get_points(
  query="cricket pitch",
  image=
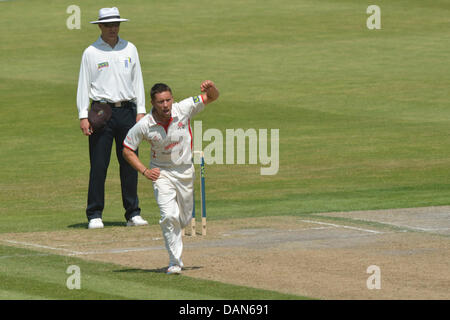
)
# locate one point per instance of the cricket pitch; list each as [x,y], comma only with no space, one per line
[323,256]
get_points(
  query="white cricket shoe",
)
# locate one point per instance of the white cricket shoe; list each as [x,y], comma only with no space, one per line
[136,221]
[174,270]
[95,223]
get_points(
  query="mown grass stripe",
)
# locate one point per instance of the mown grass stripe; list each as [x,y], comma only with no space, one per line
[46,276]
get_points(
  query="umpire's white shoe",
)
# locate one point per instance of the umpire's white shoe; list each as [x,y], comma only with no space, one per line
[95,223]
[136,221]
[174,270]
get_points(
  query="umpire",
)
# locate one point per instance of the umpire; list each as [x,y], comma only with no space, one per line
[110,81]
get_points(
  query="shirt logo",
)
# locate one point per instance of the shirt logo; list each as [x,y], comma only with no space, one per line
[170,146]
[102,65]
[196,99]
[181,125]
[127,61]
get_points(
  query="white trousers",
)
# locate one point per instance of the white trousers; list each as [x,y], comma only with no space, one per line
[174,194]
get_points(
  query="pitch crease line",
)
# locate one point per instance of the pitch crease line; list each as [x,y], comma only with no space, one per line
[42,246]
[342,226]
[421,229]
[123,250]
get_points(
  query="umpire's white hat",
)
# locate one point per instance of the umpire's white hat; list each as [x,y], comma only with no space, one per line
[106,15]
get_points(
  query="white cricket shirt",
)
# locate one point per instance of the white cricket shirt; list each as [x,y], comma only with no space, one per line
[111,74]
[171,146]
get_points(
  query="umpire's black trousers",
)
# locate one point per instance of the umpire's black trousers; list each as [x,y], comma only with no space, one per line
[100,145]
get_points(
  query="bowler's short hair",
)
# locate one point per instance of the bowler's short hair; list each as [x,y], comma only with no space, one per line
[158,88]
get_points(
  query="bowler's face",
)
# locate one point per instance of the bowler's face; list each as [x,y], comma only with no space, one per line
[163,104]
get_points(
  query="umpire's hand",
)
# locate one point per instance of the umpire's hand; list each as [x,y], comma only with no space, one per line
[85,127]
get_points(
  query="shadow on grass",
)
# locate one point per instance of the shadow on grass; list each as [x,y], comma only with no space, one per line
[105,223]
[158,270]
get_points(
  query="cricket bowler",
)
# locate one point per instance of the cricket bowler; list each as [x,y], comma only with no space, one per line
[168,130]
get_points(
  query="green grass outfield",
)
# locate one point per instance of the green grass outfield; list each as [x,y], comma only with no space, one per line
[363,117]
